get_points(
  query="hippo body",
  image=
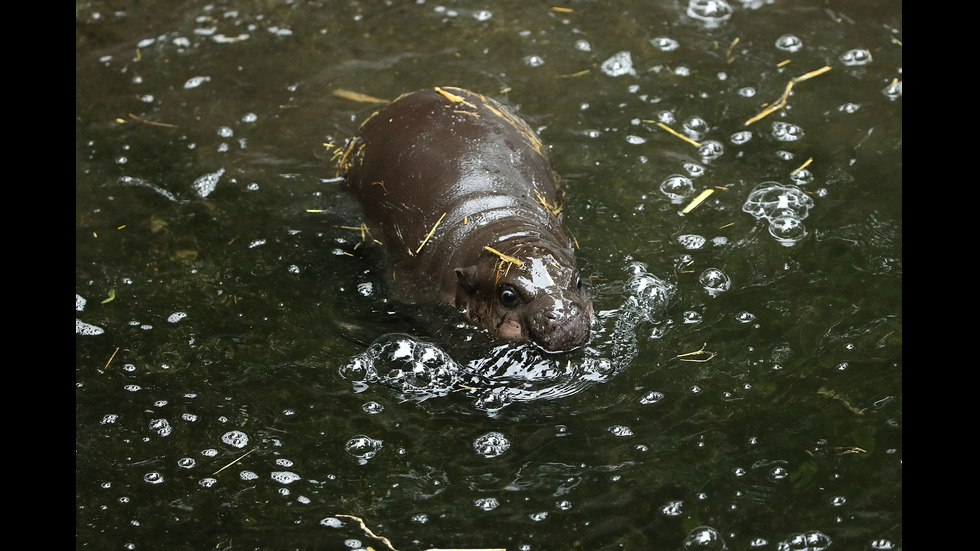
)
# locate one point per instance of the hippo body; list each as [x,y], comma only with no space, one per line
[468,204]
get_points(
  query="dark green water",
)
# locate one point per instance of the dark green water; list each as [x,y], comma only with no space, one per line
[235,309]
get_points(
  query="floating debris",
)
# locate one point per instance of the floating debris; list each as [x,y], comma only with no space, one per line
[789,87]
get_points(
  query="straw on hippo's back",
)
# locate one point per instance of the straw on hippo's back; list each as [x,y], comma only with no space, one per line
[468,204]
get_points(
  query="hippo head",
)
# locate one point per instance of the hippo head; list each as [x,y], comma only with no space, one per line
[535,298]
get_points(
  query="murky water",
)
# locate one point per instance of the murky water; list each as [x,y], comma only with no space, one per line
[242,381]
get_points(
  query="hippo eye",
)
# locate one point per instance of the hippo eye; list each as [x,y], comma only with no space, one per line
[578,283]
[508,297]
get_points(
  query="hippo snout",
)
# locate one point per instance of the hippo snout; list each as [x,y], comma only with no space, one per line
[562,328]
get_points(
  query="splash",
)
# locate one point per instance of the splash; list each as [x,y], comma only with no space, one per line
[417,371]
[420,370]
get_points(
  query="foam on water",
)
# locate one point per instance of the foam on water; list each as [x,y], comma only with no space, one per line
[783,206]
[491,444]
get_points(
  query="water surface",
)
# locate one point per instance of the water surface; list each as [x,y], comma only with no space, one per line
[743,388]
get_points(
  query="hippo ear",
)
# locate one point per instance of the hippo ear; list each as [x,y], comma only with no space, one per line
[467,278]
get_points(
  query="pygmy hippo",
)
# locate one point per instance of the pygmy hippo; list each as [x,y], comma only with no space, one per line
[468,206]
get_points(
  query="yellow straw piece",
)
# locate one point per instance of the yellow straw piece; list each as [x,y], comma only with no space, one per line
[504,257]
[697,200]
[357,96]
[789,87]
[801,167]
[679,135]
[453,97]
[432,231]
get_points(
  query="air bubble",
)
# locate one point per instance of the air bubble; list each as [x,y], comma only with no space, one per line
[153,477]
[695,127]
[285,477]
[363,448]
[82,328]
[533,61]
[740,138]
[235,438]
[787,229]
[620,430]
[418,369]
[778,473]
[331,522]
[161,427]
[176,316]
[420,518]
[665,44]
[809,541]
[710,12]
[783,206]
[704,538]
[665,117]
[647,295]
[651,397]
[714,281]
[677,188]
[745,317]
[486,503]
[194,82]
[801,177]
[789,43]
[672,508]
[691,242]
[786,132]
[710,149]
[491,444]
[894,90]
[856,57]
[619,64]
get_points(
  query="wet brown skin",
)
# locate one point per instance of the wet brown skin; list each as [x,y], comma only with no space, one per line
[468,205]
